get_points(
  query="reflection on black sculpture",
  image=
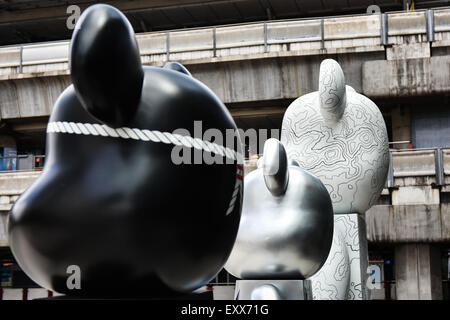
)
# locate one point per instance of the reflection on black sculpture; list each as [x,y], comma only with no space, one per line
[110,200]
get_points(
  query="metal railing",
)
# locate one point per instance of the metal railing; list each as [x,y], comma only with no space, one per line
[263,34]
[432,163]
[436,169]
[24,293]
[435,160]
[25,162]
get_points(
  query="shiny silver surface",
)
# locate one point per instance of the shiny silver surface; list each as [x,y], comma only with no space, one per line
[273,290]
[275,163]
[282,237]
[259,163]
[266,292]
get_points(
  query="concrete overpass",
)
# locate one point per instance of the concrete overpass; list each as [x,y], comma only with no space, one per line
[259,68]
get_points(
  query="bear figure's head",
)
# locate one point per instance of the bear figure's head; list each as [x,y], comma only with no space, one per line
[286,228]
[340,136]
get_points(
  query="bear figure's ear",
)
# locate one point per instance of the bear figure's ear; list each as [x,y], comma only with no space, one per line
[275,167]
[105,65]
[176,66]
[332,90]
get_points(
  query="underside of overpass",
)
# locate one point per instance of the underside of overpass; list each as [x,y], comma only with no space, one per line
[23,21]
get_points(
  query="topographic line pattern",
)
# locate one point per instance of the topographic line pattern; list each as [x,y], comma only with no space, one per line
[343,274]
[350,156]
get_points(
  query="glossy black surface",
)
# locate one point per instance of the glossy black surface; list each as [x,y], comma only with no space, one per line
[105,65]
[133,221]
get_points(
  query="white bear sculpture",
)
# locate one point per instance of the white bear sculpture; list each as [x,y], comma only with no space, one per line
[340,136]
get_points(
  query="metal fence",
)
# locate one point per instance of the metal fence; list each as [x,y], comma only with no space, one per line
[25,162]
[212,39]
[412,162]
[433,164]
[436,158]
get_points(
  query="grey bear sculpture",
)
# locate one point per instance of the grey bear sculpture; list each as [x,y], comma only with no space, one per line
[286,226]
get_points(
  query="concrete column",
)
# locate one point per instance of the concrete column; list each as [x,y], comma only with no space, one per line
[418,272]
[401,126]
[3,229]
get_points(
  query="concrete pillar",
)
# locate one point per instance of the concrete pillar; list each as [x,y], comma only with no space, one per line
[3,229]
[418,272]
[401,126]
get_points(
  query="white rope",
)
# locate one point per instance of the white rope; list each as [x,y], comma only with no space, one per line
[237,189]
[96,129]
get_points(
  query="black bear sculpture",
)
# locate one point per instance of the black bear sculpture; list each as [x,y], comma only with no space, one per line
[110,202]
